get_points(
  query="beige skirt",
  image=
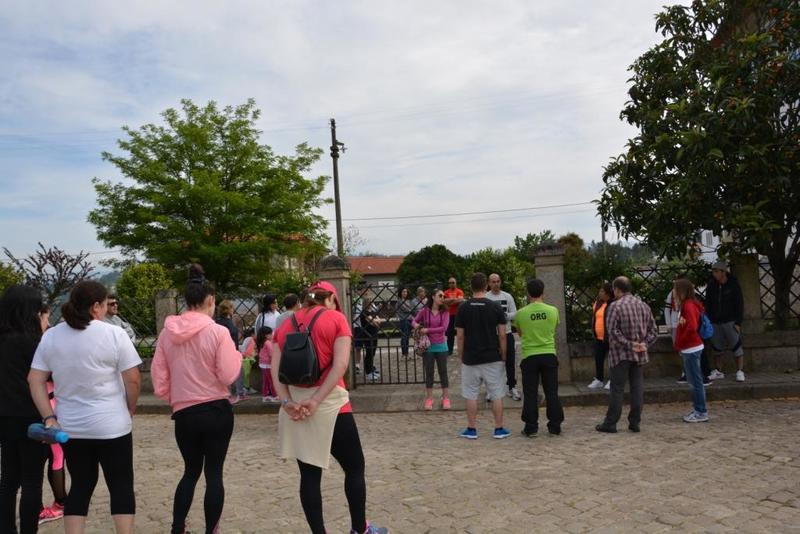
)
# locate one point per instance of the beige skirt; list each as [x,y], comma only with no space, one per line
[309,440]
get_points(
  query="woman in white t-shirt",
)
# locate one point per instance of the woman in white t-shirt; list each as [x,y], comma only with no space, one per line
[95,371]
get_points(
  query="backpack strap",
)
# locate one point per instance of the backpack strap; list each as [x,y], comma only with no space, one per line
[311,324]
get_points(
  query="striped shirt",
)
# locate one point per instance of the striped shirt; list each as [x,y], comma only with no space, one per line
[628,321]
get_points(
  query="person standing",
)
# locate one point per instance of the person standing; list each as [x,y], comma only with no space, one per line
[506,302]
[113,317]
[671,316]
[481,344]
[725,309]
[269,313]
[370,328]
[536,324]
[453,297]
[433,321]
[291,303]
[690,346]
[404,311]
[631,329]
[605,296]
[194,363]
[23,318]
[93,364]
[317,421]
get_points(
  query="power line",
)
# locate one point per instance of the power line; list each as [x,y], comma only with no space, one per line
[463,221]
[467,212]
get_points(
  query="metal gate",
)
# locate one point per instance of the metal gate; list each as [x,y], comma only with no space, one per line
[382,333]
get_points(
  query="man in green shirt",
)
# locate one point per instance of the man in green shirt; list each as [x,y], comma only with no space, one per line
[536,324]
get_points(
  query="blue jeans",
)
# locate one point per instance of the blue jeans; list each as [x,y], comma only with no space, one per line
[405,333]
[694,377]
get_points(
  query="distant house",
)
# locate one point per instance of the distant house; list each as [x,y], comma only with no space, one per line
[377,270]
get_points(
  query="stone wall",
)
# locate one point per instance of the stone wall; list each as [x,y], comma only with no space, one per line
[769,351]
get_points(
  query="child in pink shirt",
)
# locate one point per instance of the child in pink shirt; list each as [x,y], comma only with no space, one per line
[264,346]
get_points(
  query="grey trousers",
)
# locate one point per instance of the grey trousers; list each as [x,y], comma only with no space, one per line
[624,371]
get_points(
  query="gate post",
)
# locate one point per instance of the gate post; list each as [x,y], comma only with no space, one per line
[549,262]
[335,270]
[166,304]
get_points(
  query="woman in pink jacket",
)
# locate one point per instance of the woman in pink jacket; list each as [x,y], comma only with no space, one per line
[194,364]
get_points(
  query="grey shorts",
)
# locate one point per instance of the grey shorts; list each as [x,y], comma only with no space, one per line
[492,374]
[726,338]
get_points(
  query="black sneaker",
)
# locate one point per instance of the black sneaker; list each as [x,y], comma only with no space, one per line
[633,428]
[554,430]
[529,431]
[608,429]
[682,379]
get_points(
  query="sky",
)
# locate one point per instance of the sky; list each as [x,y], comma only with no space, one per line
[444,107]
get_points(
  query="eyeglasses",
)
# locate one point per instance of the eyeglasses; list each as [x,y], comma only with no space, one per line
[113,303]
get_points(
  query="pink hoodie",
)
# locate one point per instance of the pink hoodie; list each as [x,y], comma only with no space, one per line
[195,361]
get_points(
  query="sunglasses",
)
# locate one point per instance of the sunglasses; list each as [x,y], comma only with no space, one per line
[113,303]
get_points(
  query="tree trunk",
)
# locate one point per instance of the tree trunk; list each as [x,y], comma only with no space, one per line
[782,272]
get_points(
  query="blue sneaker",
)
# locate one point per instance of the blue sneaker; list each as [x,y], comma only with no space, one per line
[469,433]
[372,530]
[501,433]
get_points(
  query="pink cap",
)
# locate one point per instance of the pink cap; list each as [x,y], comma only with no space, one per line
[326,286]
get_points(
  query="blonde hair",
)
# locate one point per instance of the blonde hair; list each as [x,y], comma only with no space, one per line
[225,308]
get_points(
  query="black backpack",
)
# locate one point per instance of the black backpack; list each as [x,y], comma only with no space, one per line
[299,363]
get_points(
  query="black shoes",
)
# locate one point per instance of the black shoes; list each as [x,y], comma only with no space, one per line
[555,430]
[633,428]
[607,429]
[529,431]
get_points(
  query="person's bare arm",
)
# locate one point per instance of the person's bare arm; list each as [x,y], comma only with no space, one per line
[501,336]
[37,382]
[132,380]
[460,343]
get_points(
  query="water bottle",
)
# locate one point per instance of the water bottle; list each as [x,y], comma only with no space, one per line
[39,432]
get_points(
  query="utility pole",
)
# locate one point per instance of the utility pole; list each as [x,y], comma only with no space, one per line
[335,145]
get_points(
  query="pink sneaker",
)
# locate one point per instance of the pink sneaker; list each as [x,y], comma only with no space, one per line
[428,404]
[51,513]
[445,403]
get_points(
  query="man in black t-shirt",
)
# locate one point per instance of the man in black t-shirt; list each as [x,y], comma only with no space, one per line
[481,342]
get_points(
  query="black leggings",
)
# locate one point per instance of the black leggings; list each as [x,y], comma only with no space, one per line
[440,359]
[21,466]
[600,354]
[203,433]
[115,456]
[346,448]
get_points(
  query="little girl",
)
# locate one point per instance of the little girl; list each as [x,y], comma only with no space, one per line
[264,347]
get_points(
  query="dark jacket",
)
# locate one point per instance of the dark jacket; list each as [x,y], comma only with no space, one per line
[16,354]
[724,302]
[227,322]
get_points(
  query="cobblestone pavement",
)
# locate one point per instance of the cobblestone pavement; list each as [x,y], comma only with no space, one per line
[740,472]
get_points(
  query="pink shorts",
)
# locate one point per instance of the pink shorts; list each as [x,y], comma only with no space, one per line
[57,461]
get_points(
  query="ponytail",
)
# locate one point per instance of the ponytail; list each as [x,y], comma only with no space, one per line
[197,287]
[77,310]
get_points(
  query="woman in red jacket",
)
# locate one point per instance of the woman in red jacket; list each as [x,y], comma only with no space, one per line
[690,346]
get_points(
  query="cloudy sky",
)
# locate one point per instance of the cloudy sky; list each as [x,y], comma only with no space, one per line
[445,107]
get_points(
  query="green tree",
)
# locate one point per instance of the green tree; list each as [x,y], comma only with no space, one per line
[505,263]
[201,187]
[525,247]
[9,276]
[136,289]
[717,107]
[434,263]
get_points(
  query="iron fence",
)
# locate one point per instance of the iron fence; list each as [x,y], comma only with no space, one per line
[386,345]
[651,283]
[767,284]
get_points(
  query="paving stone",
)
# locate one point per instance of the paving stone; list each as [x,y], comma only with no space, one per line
[422,478]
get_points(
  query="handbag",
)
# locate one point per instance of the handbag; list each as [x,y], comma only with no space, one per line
[421,342]
[299,362]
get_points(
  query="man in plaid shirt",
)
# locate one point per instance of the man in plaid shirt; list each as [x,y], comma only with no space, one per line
[630,328]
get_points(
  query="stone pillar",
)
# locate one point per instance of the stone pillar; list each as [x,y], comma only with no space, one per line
[335,270]
[166,304]
[745,269]
[549,261]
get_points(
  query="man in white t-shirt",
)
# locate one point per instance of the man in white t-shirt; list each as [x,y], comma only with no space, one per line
[506,301]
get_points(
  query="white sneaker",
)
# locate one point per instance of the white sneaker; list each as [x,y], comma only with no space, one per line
[595,384]
[695,417]
[608,385]
[373,376]
[716,375]
[740,376]
[515,394]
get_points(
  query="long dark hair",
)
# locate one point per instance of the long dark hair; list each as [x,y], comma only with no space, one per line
[20,307]
[77,310]
[197,287]
[261,337]
[430,301]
